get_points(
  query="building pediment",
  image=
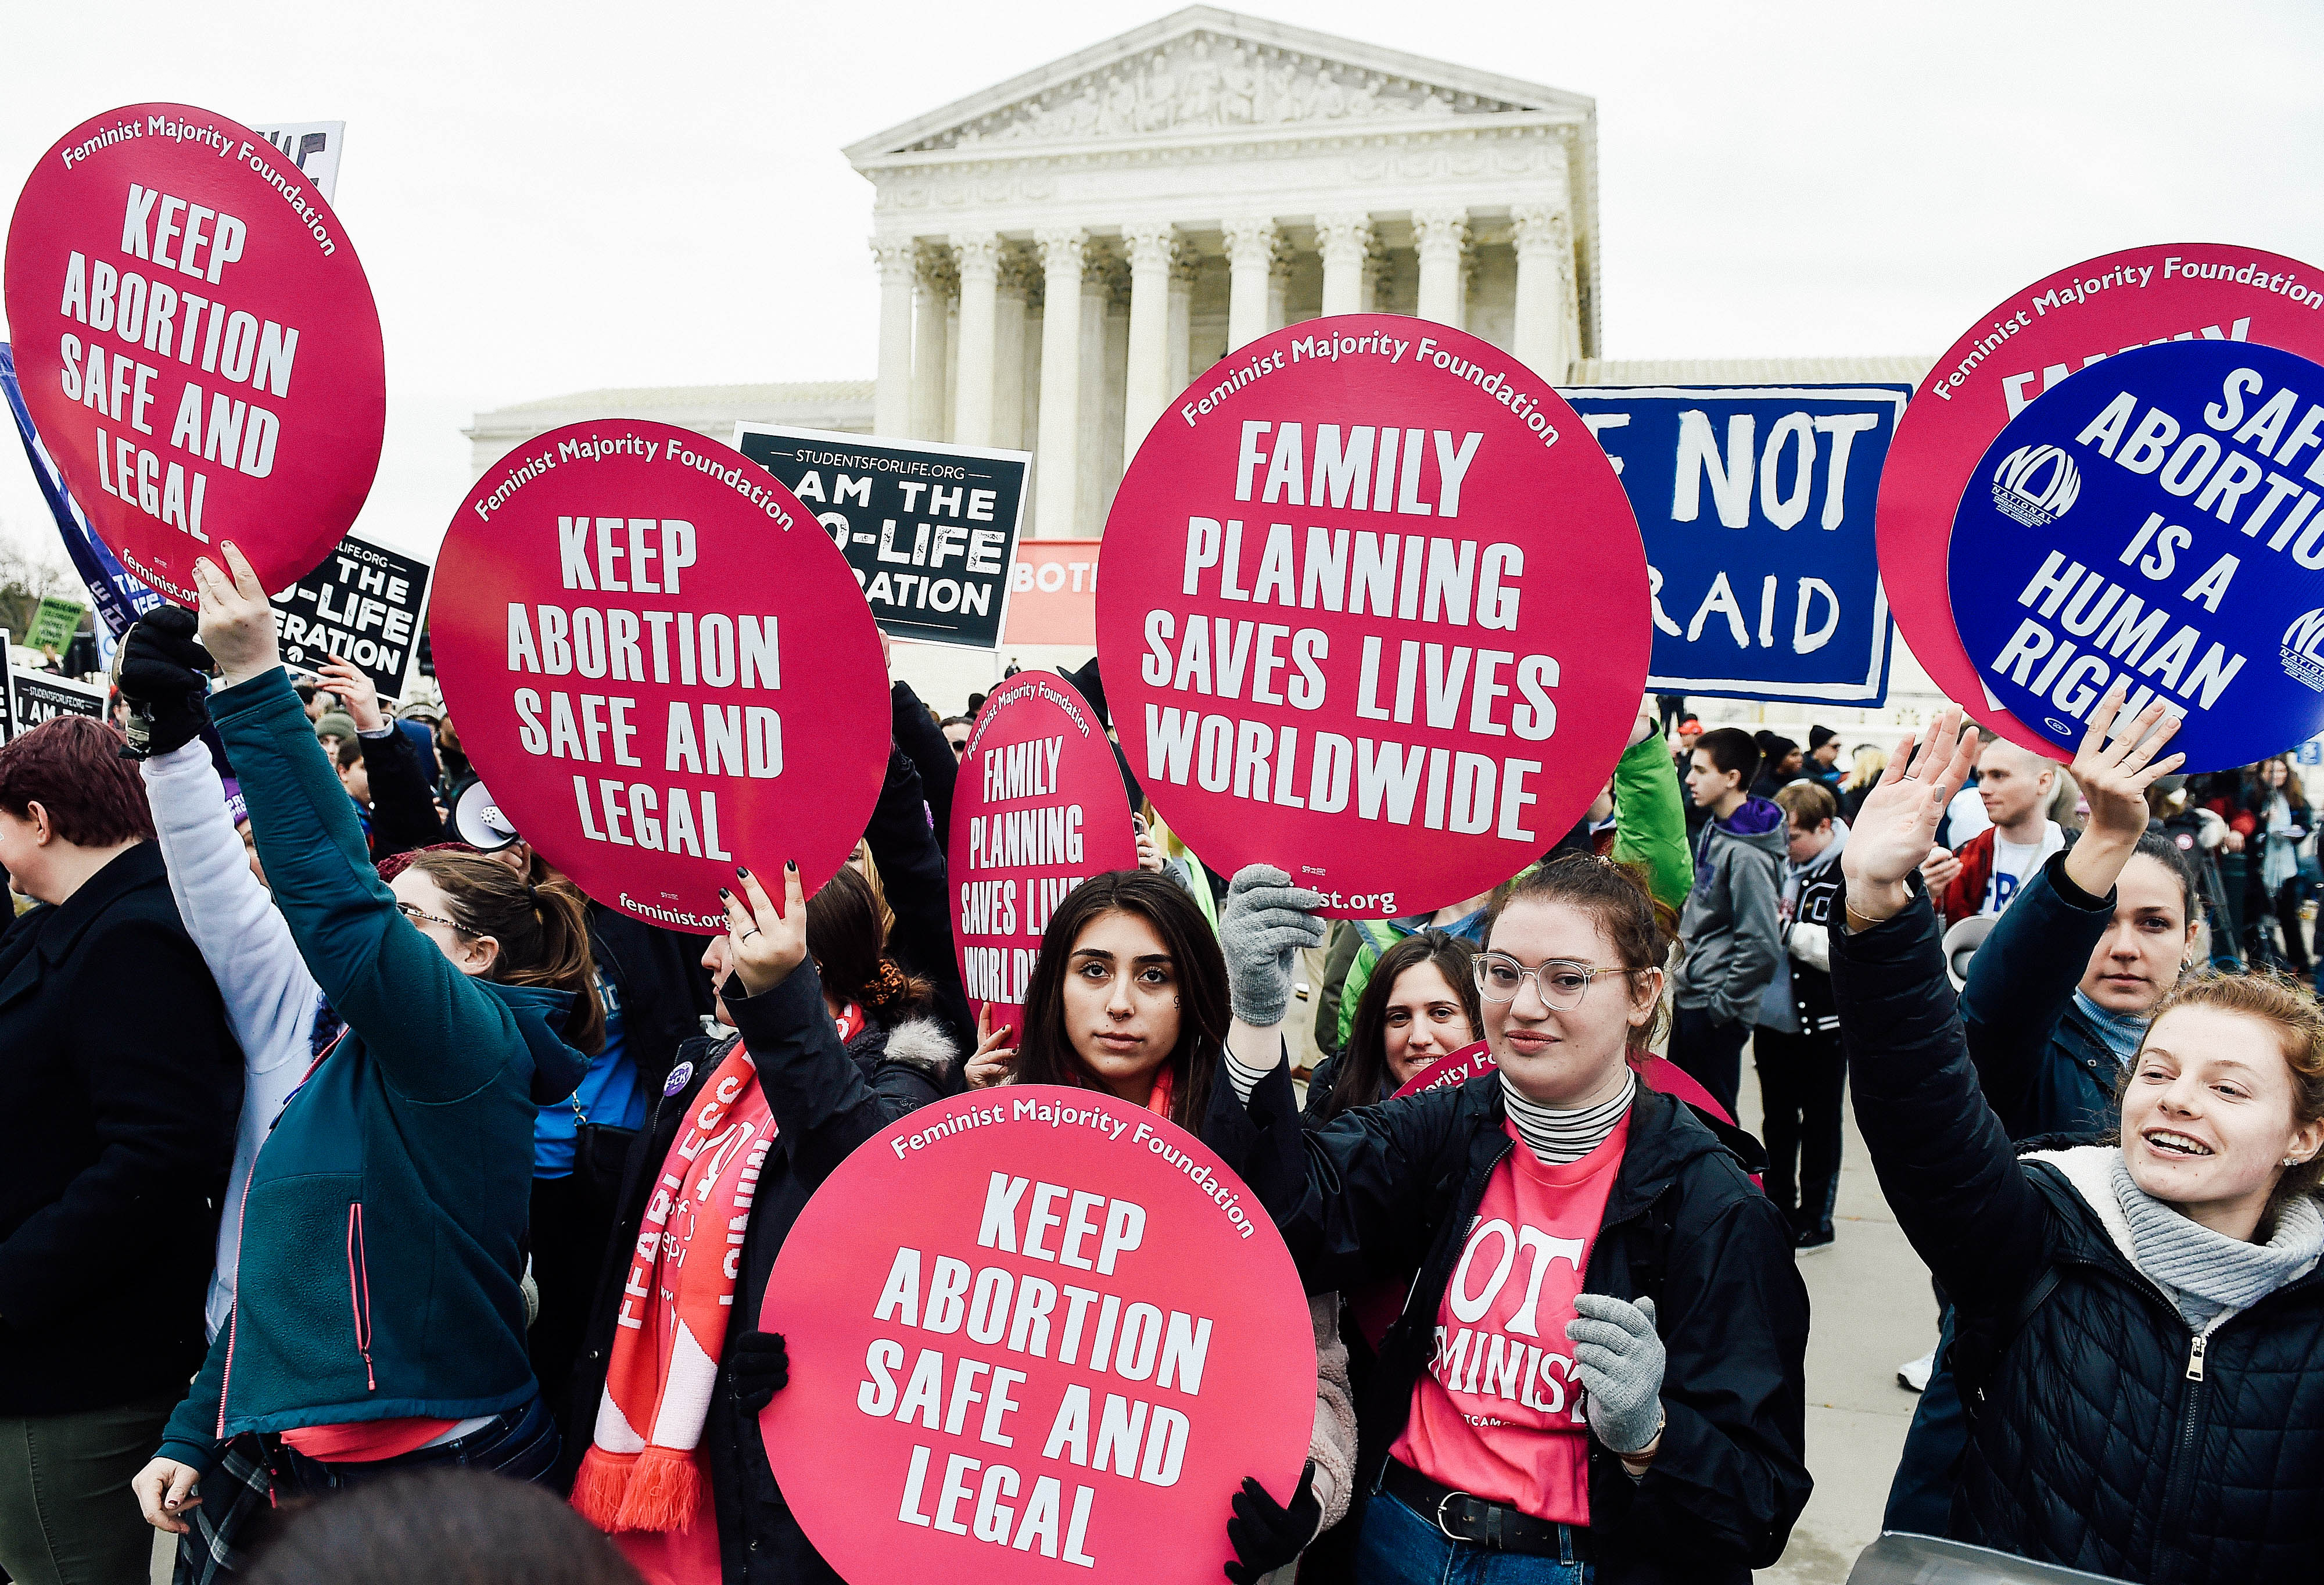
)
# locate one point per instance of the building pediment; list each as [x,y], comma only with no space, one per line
[1206,71]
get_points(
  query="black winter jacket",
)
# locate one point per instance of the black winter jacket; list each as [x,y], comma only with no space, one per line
[827,1100]
[2105,1440]
[402,804]
[664,988]
[912,873]
[119,1087]
[2043,1066]
[914,731]
[1385,1190]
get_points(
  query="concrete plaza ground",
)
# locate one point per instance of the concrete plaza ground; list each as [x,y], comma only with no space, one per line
[1870,1310]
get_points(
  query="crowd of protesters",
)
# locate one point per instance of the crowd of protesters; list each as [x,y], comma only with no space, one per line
[338,1268]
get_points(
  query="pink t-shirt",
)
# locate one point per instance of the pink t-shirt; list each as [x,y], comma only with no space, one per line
[1499,1413]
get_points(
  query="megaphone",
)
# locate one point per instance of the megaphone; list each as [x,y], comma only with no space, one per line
[1961,942]
[478,821]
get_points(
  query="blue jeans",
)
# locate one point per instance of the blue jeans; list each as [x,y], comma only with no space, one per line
[1399,1547]
[521,1445]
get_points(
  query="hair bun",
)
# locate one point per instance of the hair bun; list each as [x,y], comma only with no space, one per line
[887,986]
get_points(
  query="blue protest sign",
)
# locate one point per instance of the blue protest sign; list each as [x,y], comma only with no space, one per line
[120,598]
[1755,504]
[2154,520]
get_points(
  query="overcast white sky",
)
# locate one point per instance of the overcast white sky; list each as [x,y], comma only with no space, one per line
[553,198]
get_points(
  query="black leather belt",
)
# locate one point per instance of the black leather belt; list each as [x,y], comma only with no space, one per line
[1481,1523]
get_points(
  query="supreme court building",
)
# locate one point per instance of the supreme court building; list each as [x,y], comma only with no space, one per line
[1059,254]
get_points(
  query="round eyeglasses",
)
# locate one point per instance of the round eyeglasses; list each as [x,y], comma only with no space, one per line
[1560,983]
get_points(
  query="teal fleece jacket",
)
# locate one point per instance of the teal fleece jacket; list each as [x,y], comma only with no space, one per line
[384,1226]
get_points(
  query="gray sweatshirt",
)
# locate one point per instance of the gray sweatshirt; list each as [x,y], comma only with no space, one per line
[1731,924]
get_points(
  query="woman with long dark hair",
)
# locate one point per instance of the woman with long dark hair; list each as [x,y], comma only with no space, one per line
[1129,996]
[2280,806]
[1419,1007]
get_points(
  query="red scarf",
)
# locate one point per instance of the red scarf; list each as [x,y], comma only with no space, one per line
[641,1470]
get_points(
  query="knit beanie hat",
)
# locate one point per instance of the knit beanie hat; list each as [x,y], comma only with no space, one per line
[336,724]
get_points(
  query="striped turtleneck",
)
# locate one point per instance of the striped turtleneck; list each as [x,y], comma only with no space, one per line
[1558,1136]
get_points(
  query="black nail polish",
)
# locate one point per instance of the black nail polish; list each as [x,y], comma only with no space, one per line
[724,895]
[791,865]
[745,874]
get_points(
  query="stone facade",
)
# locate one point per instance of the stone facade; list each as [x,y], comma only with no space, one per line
[1061,253]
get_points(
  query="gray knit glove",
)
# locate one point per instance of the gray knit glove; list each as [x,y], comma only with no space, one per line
[1265,921]
[1620,1358]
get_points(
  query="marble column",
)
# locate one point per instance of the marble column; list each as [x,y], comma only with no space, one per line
[1279,285]
[1180,333]
[1344,241]
[1250,253]
[1544,247]
[1438,235]
[1057,454]
[1152,246]
[978,257]
[1008,349]
[1091,484]
[1375,276]
[891,402]
[928,345]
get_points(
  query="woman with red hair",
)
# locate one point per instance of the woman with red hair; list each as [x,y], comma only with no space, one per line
[116,1127]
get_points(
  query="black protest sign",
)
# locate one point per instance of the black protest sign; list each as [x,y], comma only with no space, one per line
[363,602]
[36,698]
[927,530]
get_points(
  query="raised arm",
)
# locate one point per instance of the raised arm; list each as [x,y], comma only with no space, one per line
[819,1097]
[270,997]
[915,732]
[402,809]
[1944,1162]
[419,1016]
[2022,979]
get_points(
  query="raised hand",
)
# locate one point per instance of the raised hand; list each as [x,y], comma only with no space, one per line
[764,946]
[357,690]
[2114,773]
[1897,824]
[163,669]
[1263,924]
[237,623]
[995,1057]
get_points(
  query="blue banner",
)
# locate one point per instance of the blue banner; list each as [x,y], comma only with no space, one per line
[1755,505]
[2153,521]
[119,597]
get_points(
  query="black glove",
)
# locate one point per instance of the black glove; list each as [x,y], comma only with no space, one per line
[1266,1535]
[758,1367]
[162,671]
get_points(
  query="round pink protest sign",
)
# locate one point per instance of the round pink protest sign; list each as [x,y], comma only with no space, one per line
[1035,1329]
[1038,809]
[1374,610]
[197,344]
[2029,341]
[663,667]
[1457,1068]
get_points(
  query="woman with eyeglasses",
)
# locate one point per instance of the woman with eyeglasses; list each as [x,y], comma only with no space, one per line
[378,1321]
[1600,1371]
